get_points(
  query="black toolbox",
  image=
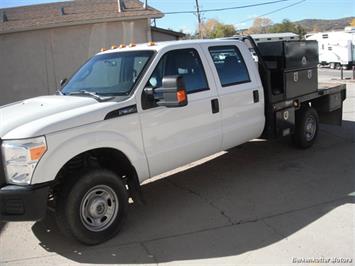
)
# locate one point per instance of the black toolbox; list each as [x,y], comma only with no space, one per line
[292,66]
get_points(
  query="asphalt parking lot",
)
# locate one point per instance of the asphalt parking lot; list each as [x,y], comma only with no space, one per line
[260,203]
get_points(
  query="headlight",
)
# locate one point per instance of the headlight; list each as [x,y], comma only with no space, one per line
[21,158]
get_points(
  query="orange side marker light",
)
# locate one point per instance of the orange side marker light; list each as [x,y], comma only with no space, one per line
[37,152]
[181,96]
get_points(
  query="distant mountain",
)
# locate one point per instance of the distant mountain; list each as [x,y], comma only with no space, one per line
[319,25]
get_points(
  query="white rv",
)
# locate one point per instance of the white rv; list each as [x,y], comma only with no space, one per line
[336,49]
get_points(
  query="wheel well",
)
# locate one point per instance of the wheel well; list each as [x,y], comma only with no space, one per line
[304,105]
[107,158]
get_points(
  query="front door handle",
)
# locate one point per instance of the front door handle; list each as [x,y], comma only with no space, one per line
[215,106]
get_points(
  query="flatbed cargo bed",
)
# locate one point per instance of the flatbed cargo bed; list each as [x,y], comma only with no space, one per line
[327,100]
[323,89]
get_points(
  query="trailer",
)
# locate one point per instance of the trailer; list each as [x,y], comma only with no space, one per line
[336,49]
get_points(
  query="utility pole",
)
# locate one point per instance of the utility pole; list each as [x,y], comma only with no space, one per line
[198,13]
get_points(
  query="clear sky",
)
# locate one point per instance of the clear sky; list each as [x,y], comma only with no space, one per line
[242,18]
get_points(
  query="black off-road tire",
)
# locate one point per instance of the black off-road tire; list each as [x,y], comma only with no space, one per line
[306,128]
[70,203]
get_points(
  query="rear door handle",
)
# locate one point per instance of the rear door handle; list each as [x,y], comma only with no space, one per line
[215,106]
[256,96]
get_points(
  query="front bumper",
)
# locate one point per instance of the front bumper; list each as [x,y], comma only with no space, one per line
[19,203]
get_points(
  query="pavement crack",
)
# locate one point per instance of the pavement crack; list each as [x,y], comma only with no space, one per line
[150,254]
[273,228]
[26,259]
[209,202]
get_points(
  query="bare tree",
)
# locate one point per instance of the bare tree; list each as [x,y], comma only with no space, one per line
[212,28]
[260,25]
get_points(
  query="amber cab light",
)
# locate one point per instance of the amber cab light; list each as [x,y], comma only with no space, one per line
[151,43]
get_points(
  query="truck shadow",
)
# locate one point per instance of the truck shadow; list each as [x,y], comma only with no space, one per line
[2,226]
[248,198]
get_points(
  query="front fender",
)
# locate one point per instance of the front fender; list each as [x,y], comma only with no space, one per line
[64,146]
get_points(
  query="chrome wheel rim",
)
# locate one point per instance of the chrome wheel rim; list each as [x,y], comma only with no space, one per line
[310,128]
[99,208]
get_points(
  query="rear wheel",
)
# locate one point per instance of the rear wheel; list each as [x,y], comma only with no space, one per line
[306,128]
[92,208]
[332,65]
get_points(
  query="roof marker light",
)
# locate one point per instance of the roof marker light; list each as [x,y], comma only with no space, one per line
[114,47]
[151,43]
[122,46]
[103,49]
[132,45]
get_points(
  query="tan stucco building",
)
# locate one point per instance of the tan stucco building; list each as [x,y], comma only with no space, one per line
[41,44]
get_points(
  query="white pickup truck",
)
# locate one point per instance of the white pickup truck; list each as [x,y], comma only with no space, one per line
[136,111]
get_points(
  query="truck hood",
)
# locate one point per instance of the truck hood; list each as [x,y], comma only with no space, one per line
[41,115]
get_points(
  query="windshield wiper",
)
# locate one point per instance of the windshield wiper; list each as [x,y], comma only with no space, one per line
[91,94]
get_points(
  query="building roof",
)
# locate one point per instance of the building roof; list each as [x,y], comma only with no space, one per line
[71,13]
[168,31]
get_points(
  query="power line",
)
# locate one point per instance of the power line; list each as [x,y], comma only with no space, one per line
[274,11]
[224,8]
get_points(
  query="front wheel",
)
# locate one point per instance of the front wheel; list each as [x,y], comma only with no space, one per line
[306,128]
[92,208]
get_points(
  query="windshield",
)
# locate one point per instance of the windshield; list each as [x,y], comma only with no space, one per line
[109,74]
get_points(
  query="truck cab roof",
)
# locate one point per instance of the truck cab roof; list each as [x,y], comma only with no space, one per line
[157,46]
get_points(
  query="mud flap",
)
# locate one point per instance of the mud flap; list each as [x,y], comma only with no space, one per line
[330,108]
[331,118]
[134,189]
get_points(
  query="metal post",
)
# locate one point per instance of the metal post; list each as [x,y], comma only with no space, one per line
[3,17]
[119,6]
[341,73]
[354,72]
[61,11]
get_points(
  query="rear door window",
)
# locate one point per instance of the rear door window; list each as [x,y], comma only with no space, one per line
[230,65]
